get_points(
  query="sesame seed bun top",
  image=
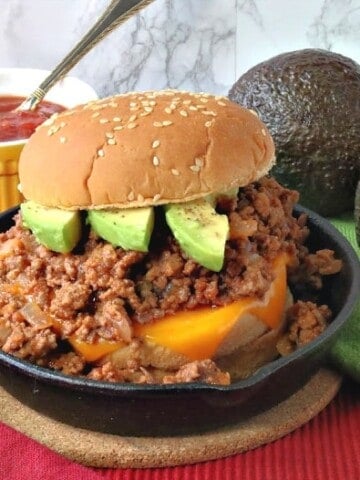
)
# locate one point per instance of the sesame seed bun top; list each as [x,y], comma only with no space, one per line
[144,148]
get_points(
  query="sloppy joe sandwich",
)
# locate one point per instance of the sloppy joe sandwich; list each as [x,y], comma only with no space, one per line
[153,247]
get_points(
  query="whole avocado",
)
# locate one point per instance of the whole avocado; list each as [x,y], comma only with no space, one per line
[310,101]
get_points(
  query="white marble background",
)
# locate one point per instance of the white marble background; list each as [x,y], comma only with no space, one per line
[191,44]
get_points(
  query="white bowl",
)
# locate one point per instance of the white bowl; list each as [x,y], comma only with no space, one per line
[68,92]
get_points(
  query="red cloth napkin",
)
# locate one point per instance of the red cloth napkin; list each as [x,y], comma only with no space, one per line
[326,448]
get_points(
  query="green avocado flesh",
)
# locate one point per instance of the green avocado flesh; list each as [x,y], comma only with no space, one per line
[58,230]
[200,231]
[128,228]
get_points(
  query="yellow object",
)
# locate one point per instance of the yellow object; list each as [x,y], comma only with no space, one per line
[9,180]
[198,334]
[93,351]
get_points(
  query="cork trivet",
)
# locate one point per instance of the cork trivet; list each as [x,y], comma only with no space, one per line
[104,450]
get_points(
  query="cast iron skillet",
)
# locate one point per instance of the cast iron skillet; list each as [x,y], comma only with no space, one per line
[148,410]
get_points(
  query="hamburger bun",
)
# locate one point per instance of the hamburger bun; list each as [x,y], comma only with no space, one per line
[140,149]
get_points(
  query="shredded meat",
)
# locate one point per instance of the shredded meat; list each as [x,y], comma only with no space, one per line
[99,292]
[306,321]
[204,371]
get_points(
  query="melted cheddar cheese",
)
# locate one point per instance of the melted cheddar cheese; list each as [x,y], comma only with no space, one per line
[198,334]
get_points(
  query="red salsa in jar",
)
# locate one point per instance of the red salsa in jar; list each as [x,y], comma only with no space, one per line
[16,125]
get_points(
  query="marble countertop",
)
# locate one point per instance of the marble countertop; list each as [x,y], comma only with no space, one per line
[202,45]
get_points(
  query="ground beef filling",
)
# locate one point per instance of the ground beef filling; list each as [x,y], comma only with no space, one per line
[98,291]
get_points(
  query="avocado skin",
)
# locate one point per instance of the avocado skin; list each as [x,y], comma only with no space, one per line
[357,213]
[310,101]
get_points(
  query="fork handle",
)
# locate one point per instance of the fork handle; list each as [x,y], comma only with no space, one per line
[116,13]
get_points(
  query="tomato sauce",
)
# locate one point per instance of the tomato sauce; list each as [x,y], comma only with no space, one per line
[20,125]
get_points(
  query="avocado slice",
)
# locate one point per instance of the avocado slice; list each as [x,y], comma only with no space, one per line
[127,228]
[200,231]
[308,101]
[56,229]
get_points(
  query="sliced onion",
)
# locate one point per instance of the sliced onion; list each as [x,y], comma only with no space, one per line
[35,316]
[4,334]
[125,329]
[9,247]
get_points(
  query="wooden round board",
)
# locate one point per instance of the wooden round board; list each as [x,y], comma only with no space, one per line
[104,450]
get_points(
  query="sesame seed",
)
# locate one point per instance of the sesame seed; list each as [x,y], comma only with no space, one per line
[222,104]
[175,172]
[48,122]
[199,162]
[140,198]
[156,197]
[103,120]
[131,196]
[63,139]
[117,119]
[263,132]
[113,104]
[96,114]
[253,112]
[148,109]
[186,102]
[53,130]
[101,153]
[109,135]
[152,102]
[145,103]
[168,110]
[144,114]
[166,123]
[62,124]
[132,118]
[204,100]
[195,168]
[193,108]
[133,104]
[155,161]
[132,125]
[155,143]
[209,123]
[184,113]
[157,124]
[173,106]
[111,141]
[209,112]
[200,106]
[118,127]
